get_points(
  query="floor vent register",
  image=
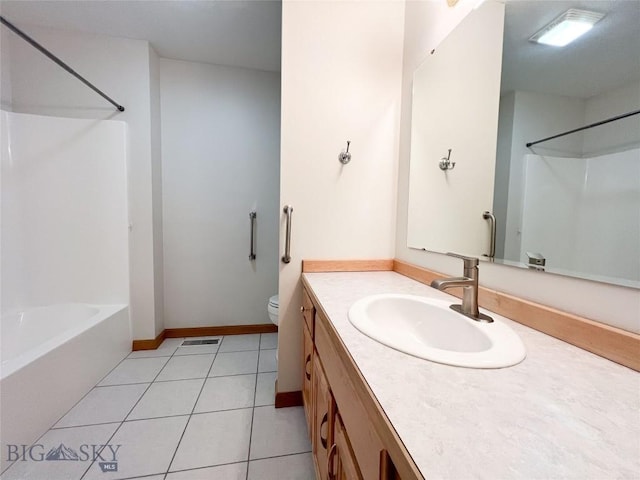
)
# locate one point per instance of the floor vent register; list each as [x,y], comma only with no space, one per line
[208,341]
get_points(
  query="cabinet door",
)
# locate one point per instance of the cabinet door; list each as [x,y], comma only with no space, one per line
[342,463]
[322,418]
[307,366]
[364,440]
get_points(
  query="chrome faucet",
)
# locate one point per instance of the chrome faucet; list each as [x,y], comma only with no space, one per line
[469,284]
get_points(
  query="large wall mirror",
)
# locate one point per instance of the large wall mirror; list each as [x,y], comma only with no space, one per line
[572,203]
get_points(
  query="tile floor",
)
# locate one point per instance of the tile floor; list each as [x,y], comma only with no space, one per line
[182,413]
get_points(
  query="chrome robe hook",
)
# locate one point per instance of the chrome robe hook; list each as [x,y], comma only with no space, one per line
[345,156]
[445,162]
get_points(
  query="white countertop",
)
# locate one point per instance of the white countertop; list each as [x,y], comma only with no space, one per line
[561,413]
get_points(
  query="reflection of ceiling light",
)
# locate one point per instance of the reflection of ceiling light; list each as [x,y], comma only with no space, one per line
[567,27]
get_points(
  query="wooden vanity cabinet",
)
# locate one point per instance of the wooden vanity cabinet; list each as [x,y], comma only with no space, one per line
[307,380]
[323,418]
[308,311]
[344,441]
[342,462]
[308,315]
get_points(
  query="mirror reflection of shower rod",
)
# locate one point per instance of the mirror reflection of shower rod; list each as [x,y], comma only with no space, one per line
[597,124]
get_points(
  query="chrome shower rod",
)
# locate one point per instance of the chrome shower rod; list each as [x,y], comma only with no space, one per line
[51,56]
[597,124]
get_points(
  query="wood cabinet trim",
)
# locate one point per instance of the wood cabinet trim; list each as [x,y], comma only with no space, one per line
[308,312]
[319,266]
[346,461]
[307,359]
[323,413]
[609,342]
[401,458]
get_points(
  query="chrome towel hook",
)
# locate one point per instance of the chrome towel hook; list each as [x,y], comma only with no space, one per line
[446,163]
[345,156]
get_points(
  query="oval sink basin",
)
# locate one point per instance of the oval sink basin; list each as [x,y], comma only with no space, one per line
[428,328]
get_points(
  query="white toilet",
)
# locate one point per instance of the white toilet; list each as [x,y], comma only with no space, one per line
[272,308]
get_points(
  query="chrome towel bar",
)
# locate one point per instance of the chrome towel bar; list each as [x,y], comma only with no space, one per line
[492,220]
[286,258]
[252,251]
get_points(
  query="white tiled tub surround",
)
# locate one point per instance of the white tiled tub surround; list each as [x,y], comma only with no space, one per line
[561,413]
[184,413]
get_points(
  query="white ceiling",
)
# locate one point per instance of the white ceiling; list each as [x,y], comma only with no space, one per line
[247,34]
[605,58]
[226,32]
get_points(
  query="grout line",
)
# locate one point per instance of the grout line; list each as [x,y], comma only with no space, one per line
[215,376]
[280,456]
[149,357]
[234,374]
[207,466]
[223,410]
[129,413]
[132,420]
[65,414]
[236,463]
[243,350]
[52,427]
[120,385]
[133,383]
[144,475]
[194,354]
[253,410]
[256,374]
[83,425]
[193,409]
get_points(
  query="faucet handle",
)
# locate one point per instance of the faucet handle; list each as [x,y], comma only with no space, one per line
[469,262]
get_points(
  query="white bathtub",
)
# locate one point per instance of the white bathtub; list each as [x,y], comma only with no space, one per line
[51,357]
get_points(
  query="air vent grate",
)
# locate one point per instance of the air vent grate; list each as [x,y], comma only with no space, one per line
[207,341]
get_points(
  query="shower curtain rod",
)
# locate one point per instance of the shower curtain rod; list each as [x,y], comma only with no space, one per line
[46,52]
[602,122]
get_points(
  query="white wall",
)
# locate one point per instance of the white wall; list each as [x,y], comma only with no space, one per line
[121,68]
[536,116]
[615,136]
[539,115]
[156,189]
[426,24]
[64,211]
[5,70]
[341,64]
[503,170]
[220,160]
[446,109]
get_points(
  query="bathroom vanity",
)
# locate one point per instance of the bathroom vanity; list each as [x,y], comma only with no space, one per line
[350,436]
[376,413]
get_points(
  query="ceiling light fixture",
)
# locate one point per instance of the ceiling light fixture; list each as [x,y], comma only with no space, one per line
[567,27]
